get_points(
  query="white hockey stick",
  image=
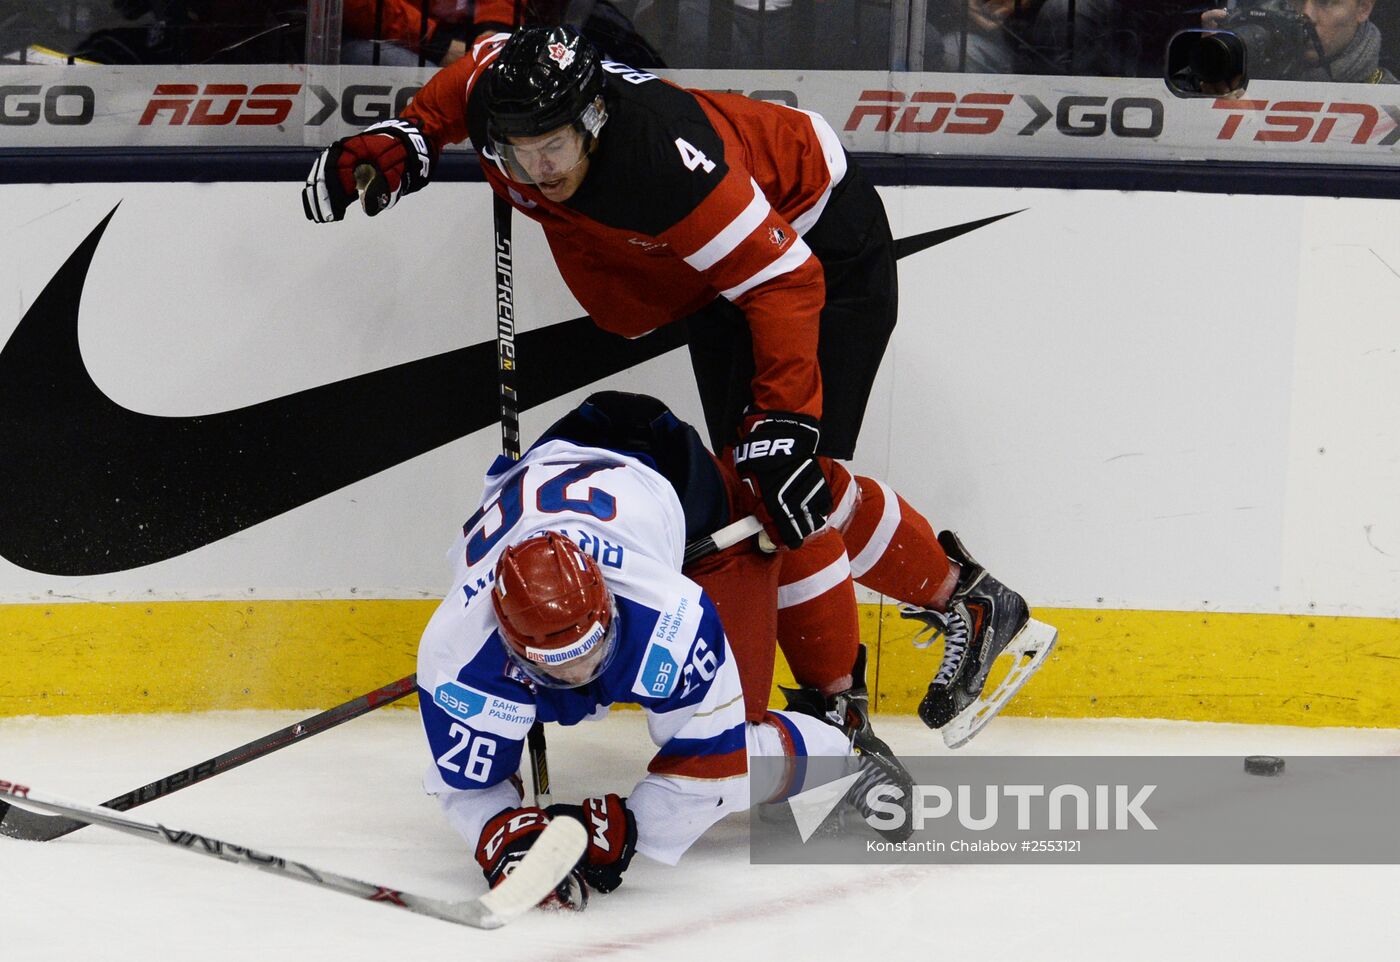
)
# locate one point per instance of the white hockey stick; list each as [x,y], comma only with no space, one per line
[553,856]
[727,537]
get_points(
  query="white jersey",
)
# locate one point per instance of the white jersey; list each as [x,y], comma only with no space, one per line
[671,658]
[612,505]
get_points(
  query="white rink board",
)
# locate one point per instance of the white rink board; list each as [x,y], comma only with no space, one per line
[968,115]
[1134,400]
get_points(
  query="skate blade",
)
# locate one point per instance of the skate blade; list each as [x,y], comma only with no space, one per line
[1031,646]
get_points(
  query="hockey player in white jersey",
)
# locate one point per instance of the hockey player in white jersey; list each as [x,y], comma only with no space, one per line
[569,598]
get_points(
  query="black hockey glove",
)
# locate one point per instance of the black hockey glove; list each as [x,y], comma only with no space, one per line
[776,457]
[394,152]
[505,840]
[612,838]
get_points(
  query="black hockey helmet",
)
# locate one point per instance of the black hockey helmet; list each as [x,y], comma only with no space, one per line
[544,78]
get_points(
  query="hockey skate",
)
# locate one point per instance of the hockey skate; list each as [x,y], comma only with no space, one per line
[850,711]
[984,620]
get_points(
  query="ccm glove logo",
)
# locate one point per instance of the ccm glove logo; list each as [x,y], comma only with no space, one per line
[504,842]
[518,824]
[612,838]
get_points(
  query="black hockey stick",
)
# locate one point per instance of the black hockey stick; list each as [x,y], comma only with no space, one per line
[510,430]
[550,858]
[505,330]
[29,826]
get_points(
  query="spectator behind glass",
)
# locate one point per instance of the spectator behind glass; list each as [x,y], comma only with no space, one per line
[396,28]
[977,36]
[1031,37]
[769,34]
[199,31]
[1351,44]
[453,24]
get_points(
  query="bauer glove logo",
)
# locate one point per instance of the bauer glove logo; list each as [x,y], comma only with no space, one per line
[763,448]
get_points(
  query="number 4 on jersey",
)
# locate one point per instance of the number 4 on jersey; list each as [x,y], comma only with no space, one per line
[692,157]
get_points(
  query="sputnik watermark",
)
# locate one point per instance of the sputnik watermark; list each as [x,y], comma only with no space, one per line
[1100,807]
[1057,807]
[1165,810]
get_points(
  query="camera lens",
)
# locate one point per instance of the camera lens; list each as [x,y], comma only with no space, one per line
[1218,57]
[1205,63]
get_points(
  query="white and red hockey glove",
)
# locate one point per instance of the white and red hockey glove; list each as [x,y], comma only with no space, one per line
[776,457]
[612,838]
[395,151]
[504,842]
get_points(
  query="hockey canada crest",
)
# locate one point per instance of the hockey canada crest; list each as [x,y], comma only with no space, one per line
[561,55]
[778,236]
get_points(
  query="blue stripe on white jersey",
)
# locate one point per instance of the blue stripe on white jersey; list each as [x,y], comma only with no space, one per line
[729,740]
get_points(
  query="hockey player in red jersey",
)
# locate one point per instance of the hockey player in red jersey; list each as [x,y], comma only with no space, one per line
[748,222]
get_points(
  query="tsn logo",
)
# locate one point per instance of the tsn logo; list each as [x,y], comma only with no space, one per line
[219,105]
[1294,121]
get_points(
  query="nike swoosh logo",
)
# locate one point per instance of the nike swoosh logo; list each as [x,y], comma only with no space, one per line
[91,487]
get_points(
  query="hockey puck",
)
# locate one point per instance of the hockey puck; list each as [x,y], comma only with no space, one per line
[1263,765]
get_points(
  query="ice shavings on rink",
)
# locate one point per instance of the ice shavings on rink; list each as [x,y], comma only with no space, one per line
[349,801]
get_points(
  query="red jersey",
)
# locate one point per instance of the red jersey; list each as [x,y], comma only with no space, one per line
[690,195]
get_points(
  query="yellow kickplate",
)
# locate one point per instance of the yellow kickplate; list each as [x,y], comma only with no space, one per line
[75,659]
[86,658]
[1197,666]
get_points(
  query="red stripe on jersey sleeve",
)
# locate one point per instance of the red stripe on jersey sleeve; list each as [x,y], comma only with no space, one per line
[710,767]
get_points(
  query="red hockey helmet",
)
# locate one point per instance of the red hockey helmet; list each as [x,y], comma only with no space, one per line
[555,610]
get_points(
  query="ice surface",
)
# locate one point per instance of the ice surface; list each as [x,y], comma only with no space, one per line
[349,801]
